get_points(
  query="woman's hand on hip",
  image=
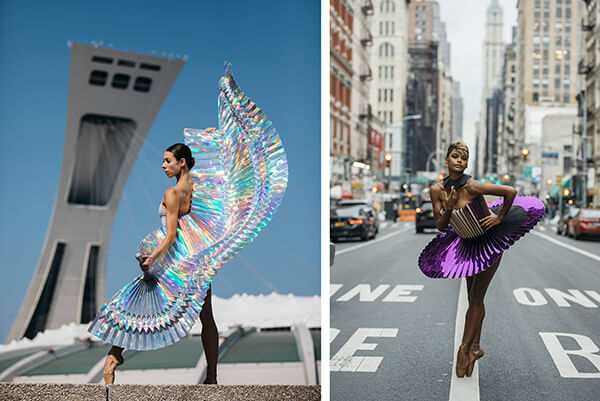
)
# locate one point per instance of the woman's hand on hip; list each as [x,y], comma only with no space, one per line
[490,221]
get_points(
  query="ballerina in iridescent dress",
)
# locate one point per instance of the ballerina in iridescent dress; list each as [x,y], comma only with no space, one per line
[473,239]
[177,202]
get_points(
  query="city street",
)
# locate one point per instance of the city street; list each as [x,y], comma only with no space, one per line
[394,331]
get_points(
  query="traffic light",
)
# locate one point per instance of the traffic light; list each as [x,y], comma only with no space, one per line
[559,179]
[388,160]
[525,153]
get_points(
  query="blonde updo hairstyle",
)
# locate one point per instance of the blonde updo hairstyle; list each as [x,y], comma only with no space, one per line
[459,147]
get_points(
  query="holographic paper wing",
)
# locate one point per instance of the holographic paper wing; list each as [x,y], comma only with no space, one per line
[240,177]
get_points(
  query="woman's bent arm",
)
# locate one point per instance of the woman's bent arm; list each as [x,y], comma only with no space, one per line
[172,202]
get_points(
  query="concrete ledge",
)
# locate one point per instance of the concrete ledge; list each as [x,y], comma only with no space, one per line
[52,392]
[135,392]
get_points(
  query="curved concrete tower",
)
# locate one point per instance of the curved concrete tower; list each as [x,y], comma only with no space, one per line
[114,97]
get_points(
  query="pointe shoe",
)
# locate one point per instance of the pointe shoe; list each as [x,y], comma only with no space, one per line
[110,364]
[474,354]
[210,380]
[461,369]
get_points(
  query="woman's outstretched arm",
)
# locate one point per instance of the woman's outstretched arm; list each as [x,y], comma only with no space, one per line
[507,192]
[172,202]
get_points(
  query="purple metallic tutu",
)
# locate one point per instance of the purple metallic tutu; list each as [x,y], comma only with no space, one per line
[449,255]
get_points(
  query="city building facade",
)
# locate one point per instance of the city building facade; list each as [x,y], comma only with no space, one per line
[389,62]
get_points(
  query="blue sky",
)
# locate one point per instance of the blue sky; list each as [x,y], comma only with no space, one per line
[274,47]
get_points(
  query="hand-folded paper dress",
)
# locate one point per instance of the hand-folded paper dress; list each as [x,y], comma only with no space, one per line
[465,248]
[240,177]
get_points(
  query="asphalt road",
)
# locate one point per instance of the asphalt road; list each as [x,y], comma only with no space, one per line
[393,329]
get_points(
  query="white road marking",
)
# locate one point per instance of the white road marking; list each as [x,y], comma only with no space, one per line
[333,288]
[364,293]
[401,293]
[333,334]
[576,296]
[571,247]
[529,296]
[466,388]
[561,359]
[344,361]
[352,248]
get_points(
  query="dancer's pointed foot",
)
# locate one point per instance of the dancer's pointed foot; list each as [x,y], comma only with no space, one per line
[113,359]
[474,354]
[462,360]
[210,380]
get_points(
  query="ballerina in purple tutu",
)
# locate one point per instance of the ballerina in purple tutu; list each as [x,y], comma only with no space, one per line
[472,240]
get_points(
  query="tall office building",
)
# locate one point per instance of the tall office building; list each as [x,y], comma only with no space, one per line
[457,113]
[548,51]
[389,63]
[340,64]
[493,57]
[590,71]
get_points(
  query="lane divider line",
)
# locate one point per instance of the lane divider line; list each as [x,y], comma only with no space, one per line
[465,388]
[352,248]
[571,247]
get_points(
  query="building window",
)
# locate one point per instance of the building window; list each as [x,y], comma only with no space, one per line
[566,98]
[557,69]
[558,12]
[567,69]
[536,97]
[386,50]
[558,41]
[545,70]
[566,84]
[120,81]
[390,117]
[568,13]
[391,72]
[98,78]
[391,95]
[387,6]
[536,83]
[546,41]
[556,83]
[379,95]
[545,83]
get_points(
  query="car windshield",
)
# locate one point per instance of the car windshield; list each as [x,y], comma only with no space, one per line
[594,214]
[573,211]
[350,211]
[426,206]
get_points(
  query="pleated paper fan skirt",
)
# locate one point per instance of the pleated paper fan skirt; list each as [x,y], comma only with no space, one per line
[450,256]
[240,177]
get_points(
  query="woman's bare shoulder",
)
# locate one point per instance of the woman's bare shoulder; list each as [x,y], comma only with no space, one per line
[436,188]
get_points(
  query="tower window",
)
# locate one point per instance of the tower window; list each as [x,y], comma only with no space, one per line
[142,84]
[98,78]
[120,81]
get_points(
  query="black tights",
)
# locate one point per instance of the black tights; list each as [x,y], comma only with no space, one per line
[210,337]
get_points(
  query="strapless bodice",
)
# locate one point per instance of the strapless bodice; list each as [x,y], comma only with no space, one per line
[465,221]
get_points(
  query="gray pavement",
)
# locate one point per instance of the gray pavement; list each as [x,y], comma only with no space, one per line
[393,328]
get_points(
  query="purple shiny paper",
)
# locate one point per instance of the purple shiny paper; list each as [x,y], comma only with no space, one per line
[449,256]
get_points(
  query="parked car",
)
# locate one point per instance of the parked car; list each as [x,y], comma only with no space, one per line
[561,226]
[424,217]
[353,220]
[586,222]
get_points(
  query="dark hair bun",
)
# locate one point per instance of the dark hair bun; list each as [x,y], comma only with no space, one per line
[182,151]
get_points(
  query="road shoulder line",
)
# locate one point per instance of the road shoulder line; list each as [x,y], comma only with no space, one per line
[571,247]
[372,242]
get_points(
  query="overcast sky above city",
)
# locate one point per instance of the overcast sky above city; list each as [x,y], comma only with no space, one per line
[465,26]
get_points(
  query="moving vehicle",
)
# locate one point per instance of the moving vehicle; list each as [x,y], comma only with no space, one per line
[585,222]
[563,222]
[424,217]
[353,219]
